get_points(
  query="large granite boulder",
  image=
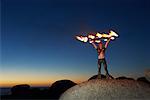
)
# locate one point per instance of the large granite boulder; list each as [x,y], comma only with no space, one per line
[108,90]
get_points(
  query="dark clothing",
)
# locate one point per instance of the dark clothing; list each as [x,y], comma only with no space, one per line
[100,62]
[101,59]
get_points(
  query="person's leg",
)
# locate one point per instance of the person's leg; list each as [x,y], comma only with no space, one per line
[99,69]
[105,67]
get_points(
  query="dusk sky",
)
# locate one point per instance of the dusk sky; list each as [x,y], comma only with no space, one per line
[38,45]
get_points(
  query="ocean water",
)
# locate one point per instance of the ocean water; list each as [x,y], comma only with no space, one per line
[5,91]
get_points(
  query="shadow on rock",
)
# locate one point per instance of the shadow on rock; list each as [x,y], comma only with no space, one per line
[102,76]
[143,79]
[123,77]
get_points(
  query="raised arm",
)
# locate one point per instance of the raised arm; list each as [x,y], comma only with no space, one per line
[94,45]
[106,44]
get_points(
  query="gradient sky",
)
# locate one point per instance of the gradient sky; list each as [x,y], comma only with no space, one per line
[38,45]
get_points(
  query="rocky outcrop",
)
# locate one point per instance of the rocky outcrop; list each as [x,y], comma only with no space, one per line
[22,89]
[60,87]
[123,77]
[102,76]
[143,79]
[108,90]
[147,74]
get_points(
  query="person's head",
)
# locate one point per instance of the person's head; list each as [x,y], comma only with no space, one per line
[100,45]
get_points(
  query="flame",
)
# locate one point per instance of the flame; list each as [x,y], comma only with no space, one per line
[85,39]
[96,38]
[105,35]
[91,36]
[98,35]
[91,41]
[97,41]
[81,38]
[105,39]
[112,38]
[112,33]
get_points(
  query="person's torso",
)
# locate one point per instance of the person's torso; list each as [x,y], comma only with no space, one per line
[101,53]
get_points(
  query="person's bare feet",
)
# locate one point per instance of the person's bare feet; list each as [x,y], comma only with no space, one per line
[98,76]
[108,76]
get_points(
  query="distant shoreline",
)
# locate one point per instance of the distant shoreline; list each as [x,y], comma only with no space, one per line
[7,90]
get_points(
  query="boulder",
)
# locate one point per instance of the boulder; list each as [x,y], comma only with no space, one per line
[102,76]
[147,74]
[59,87]
[123,77]
[22,89]
[108,90]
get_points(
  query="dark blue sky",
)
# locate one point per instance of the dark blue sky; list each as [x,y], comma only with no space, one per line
[38,38]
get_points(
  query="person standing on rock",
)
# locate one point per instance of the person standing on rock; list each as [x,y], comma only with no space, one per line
[101,48]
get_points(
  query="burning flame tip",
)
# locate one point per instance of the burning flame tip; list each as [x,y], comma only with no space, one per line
[98,35]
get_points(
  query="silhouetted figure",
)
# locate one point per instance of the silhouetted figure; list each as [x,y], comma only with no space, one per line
[123,77]
[101,48]
[60,87]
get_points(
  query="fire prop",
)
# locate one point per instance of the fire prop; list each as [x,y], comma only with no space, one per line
[97,37]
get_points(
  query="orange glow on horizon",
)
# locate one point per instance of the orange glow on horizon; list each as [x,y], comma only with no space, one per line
[12,79]
[46,83]
[10,84]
